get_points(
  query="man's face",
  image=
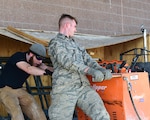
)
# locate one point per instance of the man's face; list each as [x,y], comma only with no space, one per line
[72,28]
[35,61]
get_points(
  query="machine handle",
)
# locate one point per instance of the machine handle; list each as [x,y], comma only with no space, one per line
[115,75]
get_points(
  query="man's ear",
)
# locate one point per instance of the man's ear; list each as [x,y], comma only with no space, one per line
[31,54]
[68,24]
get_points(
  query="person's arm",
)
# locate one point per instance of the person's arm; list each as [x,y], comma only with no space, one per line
[44,67]
[92,63]
[49,70]
[66,56]
[30,69]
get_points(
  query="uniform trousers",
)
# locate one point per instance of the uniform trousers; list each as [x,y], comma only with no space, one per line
[63,104]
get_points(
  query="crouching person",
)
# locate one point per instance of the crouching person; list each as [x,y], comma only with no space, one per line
[17,69]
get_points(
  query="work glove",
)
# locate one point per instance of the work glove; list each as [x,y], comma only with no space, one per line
[107,74]
[48,72]
[97,75]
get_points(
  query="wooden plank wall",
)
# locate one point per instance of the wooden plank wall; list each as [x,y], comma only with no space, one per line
[113,52]
[9,46]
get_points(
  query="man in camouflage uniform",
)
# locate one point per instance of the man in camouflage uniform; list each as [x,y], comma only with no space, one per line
[70,86]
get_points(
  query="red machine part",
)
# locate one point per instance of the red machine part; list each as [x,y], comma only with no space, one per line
[115,65]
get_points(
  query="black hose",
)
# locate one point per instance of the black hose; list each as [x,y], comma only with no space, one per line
[134,106]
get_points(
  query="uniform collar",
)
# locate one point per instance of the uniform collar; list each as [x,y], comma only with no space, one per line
[60,35]
[64,37]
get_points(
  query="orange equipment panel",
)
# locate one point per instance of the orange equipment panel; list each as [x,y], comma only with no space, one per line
[126,96]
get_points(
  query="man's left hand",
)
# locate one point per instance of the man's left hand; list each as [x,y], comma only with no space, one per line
[107,74]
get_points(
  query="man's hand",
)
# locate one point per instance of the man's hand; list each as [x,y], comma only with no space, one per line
[48,72]
[107,74]
[97,74]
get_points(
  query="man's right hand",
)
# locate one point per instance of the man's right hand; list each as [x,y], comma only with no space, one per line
[97,74]
[48,72]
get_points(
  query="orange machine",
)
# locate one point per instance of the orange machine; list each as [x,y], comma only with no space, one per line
[117,66]
[126,96]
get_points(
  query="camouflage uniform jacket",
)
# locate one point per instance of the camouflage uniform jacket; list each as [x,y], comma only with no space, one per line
[69,62]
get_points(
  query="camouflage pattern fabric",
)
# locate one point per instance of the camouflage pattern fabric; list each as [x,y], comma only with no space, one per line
[70,86]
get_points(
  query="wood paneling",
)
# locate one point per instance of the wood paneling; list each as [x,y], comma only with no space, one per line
[113,52]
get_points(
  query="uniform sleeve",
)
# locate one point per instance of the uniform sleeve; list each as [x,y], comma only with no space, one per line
[66,56]
[90,61]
